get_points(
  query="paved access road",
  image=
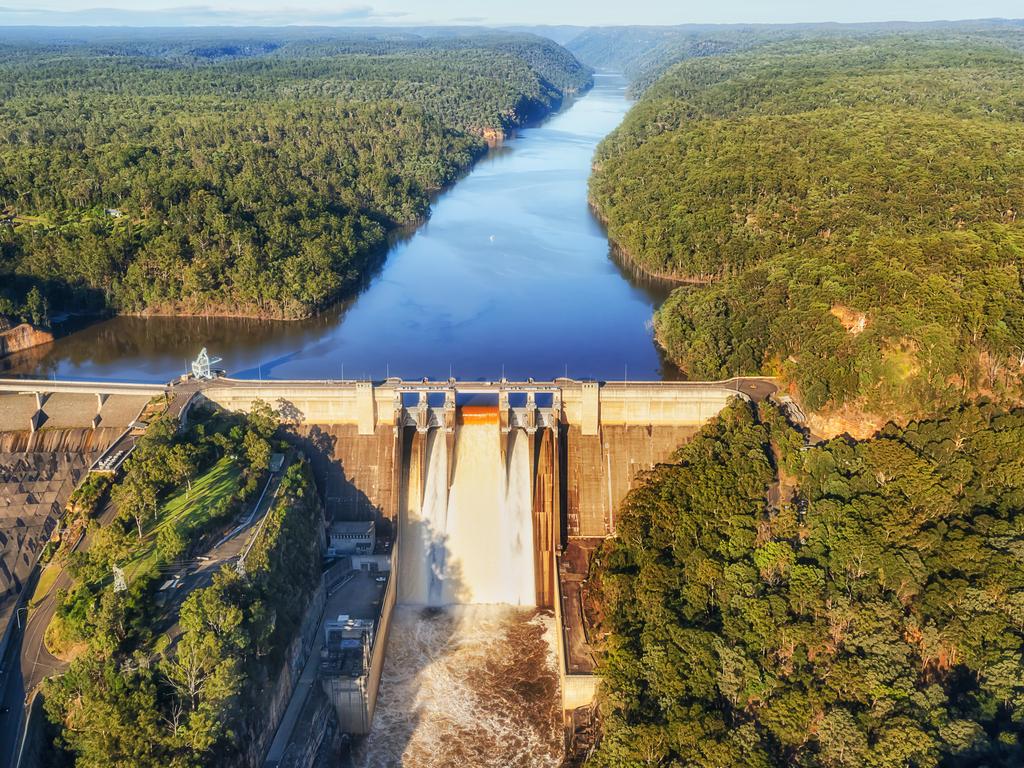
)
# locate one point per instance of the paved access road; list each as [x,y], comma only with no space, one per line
[27,661]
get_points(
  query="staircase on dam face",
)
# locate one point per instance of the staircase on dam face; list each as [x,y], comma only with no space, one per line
[500,502]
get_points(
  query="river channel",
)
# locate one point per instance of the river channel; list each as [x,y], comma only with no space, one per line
[511,274]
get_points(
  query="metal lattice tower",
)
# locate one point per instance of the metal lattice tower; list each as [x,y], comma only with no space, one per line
[202,366]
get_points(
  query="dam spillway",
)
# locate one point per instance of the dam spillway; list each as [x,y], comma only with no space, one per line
[491,509]
[467,537]
[514,576]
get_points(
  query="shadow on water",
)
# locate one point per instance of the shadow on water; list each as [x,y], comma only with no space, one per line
[655,289]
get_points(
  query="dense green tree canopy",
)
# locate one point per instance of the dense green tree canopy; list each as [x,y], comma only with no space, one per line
[162,685]
[850,209]
[256,177]
[872,617]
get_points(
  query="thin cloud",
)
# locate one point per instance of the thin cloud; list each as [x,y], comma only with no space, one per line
[194,15]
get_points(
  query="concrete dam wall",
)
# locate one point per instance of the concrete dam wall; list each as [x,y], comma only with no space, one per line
[585,404]
[493,493]
[483,497]
[357,474]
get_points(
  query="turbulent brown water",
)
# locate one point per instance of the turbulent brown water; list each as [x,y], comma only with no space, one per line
[470,686]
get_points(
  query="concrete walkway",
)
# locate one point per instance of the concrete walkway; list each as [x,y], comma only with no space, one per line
[357,594]
[305,684]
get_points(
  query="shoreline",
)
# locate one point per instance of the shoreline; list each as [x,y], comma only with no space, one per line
[379,327]
[372,261]
[627,259]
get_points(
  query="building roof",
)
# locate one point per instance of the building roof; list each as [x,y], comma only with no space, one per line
[364,527]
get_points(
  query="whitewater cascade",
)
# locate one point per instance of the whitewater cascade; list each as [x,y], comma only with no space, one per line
[473,685]
[424,522]
[471,544]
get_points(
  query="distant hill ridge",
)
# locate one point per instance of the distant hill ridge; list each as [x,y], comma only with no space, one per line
[643,53]
[853,205]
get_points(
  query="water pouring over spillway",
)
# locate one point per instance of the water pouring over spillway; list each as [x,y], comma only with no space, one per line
[468,540]
[492,511]
[471,675]
[517,524]
[473,685]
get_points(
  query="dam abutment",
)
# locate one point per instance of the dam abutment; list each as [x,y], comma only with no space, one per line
[494,504]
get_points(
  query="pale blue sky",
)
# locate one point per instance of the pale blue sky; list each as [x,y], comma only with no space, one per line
[582,12]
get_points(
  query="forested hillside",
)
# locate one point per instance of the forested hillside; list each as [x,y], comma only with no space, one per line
[873,616]
[643,54]
[184,681]
[846,211]
[254,174]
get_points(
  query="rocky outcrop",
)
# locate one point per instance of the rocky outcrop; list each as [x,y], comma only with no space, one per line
[23,336]
[493,136]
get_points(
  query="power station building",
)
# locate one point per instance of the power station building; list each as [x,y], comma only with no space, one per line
[351,538]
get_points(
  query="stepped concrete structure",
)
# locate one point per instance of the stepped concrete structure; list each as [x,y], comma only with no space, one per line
[481,491]
[51,433]
[383,449]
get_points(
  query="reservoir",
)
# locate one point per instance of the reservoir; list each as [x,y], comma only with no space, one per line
[511,275]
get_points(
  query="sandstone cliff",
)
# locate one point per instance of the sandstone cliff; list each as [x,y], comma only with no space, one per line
[21,337]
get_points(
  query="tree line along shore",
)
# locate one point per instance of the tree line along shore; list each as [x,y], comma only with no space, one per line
[847,207]
[256,174]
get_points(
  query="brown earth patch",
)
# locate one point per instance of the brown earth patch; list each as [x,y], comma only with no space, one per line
[854,322]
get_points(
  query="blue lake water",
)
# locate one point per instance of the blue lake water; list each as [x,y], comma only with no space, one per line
[512,274]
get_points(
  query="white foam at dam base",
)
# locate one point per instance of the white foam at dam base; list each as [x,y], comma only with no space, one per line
[473,686]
